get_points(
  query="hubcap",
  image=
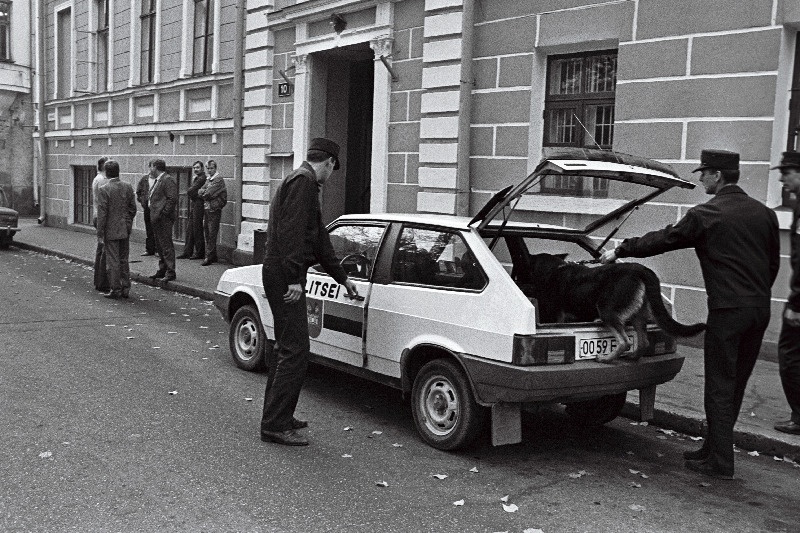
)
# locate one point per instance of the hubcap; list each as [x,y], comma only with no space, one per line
[246,339]
[439,405]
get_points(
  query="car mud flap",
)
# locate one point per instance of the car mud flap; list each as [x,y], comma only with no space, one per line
[647,403]
[506,423]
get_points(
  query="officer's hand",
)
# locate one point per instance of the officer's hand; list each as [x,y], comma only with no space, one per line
[293,294]
[609,256]
[792,317]
[352,290]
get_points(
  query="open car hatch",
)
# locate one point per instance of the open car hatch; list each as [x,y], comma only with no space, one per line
[624,182]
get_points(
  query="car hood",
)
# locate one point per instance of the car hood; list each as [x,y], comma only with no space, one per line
[636,180]
[7,211]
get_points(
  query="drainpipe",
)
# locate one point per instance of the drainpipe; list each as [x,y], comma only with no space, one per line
[40,77]
[465,109]
[238,97]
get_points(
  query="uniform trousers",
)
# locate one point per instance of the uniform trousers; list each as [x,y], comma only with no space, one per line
[100,275]
[150,239]
[211,230]
[195,240]
[732,342]
[789,366]
[162,231]
[119,274]
[288,360]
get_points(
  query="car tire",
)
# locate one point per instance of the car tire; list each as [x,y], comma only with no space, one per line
[5,242]
[444,409]
[247,340]
[598,411]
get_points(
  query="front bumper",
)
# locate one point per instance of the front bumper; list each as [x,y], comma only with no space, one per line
[495,382]
[221,302]
[8,231]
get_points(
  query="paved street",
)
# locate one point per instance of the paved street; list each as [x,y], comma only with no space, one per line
[130,416]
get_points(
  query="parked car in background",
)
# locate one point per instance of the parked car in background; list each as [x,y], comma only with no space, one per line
[9,221]
[445,317]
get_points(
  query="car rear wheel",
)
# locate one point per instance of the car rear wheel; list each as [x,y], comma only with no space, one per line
[598,411]
[445,412]
[5,242]
[247,339]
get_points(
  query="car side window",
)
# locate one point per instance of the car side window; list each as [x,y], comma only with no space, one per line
[356,246]
[437,258]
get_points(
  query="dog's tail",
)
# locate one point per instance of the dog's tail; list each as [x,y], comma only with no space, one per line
[652,287]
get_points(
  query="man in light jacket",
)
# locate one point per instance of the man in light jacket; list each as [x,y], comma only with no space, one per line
[214,196]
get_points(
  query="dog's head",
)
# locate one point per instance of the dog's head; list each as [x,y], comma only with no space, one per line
[543,265]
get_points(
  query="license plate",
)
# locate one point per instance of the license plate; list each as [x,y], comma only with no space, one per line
[598,347]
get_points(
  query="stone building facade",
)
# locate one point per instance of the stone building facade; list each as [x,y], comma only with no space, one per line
[439,103]
[136,80]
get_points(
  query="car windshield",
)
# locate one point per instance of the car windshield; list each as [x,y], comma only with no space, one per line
[3,199]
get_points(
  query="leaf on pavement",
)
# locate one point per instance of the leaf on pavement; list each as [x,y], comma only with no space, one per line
[173,392]
[532,530]
[510,508]
[637,508]
[753,453]
[156,347]
[346,455]
[172,333]
[348,428]
[129,338]
[377,432]
[636,485]
[110,325]
[45,455]
[474,469]
[458,503]
[696,438]
[645,476]
[248,399]
[705,484]
[778,458]
[397,445]
[381,484]
[632,471]
[504,499]
[440,476]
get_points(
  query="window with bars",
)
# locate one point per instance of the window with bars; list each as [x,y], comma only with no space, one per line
[793,142]
[183,177]
[148,43]
[203,36]
[83,208]
[5,30]
[101,50]
[579,112]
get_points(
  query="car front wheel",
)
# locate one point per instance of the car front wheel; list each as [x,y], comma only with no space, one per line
[247,339]
[445,412]
[598,411]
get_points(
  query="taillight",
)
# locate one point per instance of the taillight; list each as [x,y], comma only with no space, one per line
[542,350]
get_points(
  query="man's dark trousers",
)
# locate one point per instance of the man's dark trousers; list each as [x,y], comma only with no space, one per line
[732,342]
[150,240]
[119,275]
[789,366]
[211,230]
[195,241]
[162,230]
[100,276]
[288,362]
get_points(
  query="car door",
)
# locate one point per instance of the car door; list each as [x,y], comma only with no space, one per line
[336,322]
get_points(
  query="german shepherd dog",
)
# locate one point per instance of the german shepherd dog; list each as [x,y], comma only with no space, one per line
[617,294]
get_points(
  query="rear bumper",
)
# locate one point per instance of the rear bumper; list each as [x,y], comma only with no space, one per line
[501,382]
[8,231]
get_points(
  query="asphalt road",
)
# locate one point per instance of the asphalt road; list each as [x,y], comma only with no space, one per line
[131,416]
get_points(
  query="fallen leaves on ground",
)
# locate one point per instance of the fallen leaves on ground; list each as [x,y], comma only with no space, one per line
[458,503]
[510,508]
[440,476]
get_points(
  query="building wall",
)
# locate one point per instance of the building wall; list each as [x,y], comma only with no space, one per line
[465,112]
[180,117]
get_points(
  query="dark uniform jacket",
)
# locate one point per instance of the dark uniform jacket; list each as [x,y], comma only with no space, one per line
[296,237]
[794,239]
[736,240]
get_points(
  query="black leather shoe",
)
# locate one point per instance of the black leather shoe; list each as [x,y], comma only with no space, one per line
[208,262]
[299,424]
[148,253]
[113,295]
[158,275]
[169,277]
[126,293]
[287,438]
[696,455]
[790,427]
[184,256]
[708,469]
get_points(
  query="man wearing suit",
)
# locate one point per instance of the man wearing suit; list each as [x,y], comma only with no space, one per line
[195,247]
[163,198]
[142,194]
[116,209]
[214,196]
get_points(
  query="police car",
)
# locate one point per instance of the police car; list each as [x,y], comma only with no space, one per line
[443,316]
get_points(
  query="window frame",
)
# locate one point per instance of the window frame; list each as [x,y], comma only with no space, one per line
[147,53]
[183,179]
[5,32]
[102,50]
[83,198]
[793,133]
[207,37]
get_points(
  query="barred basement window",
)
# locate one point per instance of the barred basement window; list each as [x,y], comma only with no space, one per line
[579,112]
[183,177]
[83,177]
[793,142]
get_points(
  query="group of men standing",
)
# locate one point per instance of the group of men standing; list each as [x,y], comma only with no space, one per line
[157,192]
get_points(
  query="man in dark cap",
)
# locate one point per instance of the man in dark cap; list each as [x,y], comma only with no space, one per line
[789,341]
[296,239]
[736,240]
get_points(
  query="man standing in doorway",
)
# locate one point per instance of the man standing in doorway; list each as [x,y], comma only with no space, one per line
[100,279]
[736,240]
[163,198]
[789,340]
[115,214]
[195,247]
[214,196]
[142,195]
[296,239]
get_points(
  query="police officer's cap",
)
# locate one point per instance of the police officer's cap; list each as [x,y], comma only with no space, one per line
[789,160]
[718,160]
[326,145]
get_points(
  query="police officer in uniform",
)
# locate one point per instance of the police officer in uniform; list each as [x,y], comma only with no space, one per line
[736,240]
[296,239]
[789,340]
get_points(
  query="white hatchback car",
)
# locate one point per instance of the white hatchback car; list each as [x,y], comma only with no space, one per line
[444,317]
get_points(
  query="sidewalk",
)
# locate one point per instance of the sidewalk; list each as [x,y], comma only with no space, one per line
[679,403]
